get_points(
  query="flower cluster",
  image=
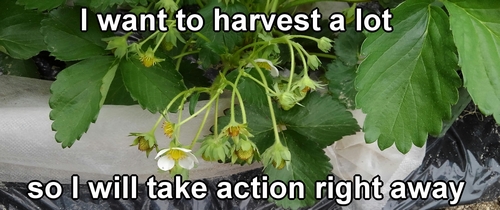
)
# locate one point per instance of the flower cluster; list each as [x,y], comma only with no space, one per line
[243,149]
[233,143]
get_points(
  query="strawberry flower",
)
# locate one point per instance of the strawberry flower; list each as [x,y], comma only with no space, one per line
[266,64]
[148,58]
[168,158]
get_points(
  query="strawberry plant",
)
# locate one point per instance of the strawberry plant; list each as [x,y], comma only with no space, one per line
[290,91]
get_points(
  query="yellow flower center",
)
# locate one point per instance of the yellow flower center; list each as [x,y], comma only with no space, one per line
[168,129]
[147,61]
[280,166]
[306,89]
[176,154]
[143,144]
[233,131]
[264,65]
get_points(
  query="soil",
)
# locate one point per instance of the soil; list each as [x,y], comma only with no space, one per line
[492,205]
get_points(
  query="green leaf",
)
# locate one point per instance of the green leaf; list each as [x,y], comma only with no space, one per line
[476,31]
[342,72]
[321,120]
[210,54]
[103,4]
[118,94]
[228,39]
[77,98]
[20,31]
[308,165]
[41,4]
[341,82]
[347,46]
[408,81]
[66,42]
[193,76]
[390,3]
[17,67]
[252,93]
[193,100]
[152,87]
[464,99]
[82,3]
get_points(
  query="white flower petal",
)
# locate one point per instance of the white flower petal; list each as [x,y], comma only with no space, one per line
[274,71]
[181,149]
[195,159]
[187,163]
[163,151]
[263,60]
[165,163]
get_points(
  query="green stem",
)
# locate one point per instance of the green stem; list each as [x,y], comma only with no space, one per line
[240,100]
[250,45]
[243,112]
[274,7]
[178,64]
[216,116]
[159,43]
[233,95]
[324,55]
[267,6]
[158,121]
[186,53]
[201,127]
[179,117]
[270,103]
[304,37]
[292,65]
[149,6]
[191,90]
[148,38]
[173,101]
[258,82]
[202,36]
[198,112]
[199,3]
[302,57]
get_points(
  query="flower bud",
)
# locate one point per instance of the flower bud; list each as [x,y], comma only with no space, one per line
[234,130]
[313,62]
[287,100]
[324,44]
[244,151]
[118,44]
[145,142]
[277,155]
[212,149]
[305,84]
